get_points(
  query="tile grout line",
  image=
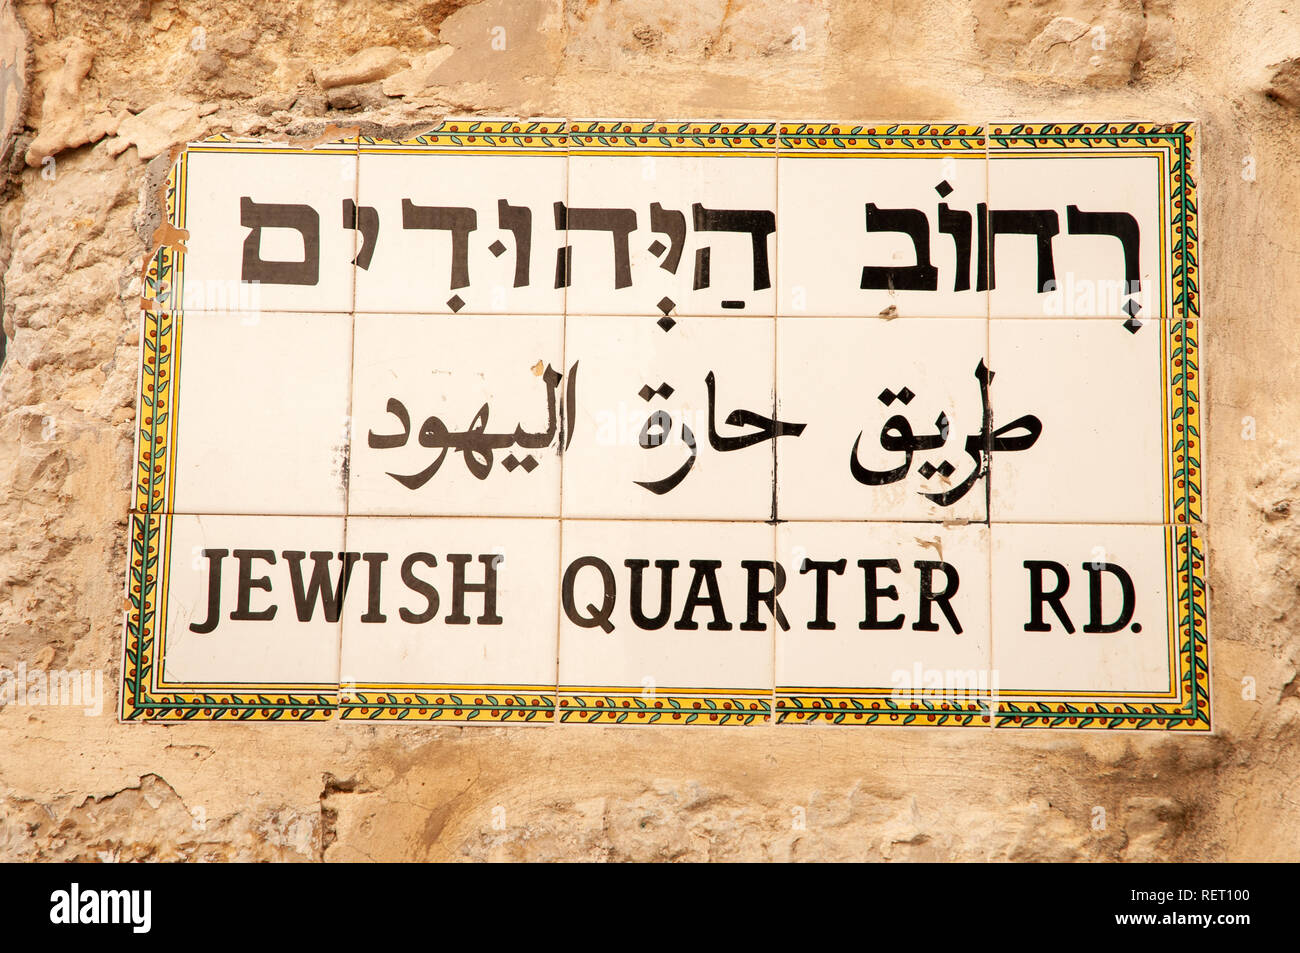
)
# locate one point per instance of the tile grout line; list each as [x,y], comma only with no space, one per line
[350,431]
[988,355]
[776,395]
[564,434]
[468,313]
[1202,524]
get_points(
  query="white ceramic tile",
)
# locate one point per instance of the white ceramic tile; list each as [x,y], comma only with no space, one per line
[1094,389]
[1093,260]
[262,417]
[713,251]
[1137,658]
[905,223]
[420,630]
[483,256]
[705,642]
[266,228]
[643,417]
[457,415]
[860,384]
[262,630]
[869,609]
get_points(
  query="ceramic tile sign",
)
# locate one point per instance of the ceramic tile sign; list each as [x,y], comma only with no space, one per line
[574,422]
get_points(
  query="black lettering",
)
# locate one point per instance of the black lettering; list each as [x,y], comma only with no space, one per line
[319,590]
[823,569]
[1037,596]
[637,605]
[930,598]
[459,587]
[597,617]
[706,574]
[1094,597]
[420,586]
[214,557]
[871,618]
[243,613]
[756,596]
[374,561]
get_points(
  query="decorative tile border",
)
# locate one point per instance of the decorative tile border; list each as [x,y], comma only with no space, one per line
[1183,423]
[868,710]
[456,703]
[495,135]
[593,136]
[904,138]
[147,697]
[154,435]
[674,707]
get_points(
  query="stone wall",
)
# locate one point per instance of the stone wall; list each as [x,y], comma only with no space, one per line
[91,92]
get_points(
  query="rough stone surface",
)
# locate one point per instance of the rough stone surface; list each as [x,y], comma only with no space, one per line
[1073,43]
[13,80]
[102,89]
[68,116]
[155,129]
[369,65]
